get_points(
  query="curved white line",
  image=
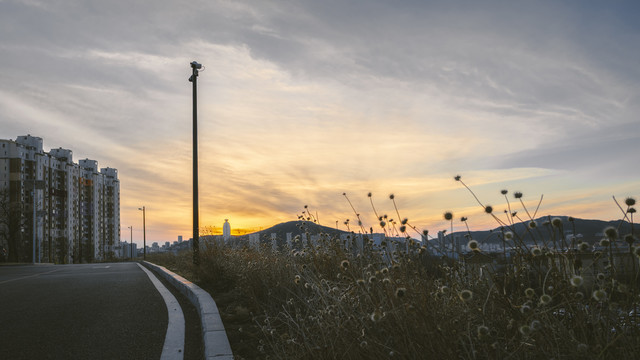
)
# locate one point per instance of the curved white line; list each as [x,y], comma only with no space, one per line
[173,348]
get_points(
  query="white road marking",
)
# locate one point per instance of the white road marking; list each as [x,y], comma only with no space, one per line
[28,276]
[173,348]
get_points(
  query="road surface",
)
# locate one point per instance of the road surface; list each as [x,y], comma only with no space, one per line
[88,311]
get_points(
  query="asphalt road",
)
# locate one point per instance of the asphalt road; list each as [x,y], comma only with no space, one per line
[92,311]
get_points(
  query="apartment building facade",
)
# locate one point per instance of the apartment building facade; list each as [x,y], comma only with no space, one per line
[69,211]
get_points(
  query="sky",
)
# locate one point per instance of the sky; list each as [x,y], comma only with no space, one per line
[301,101]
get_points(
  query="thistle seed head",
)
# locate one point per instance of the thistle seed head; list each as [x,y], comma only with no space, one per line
[529,292]
[599,295]
[473,245]
[576,281]
[465,295]
[630,201]
[611,233]
[545,299]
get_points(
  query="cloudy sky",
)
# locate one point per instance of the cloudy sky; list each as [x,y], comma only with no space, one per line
[302,101]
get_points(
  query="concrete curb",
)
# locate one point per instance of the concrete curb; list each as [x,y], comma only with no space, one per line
[216,343]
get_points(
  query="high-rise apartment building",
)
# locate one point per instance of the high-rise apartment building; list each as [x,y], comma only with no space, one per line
[70,211]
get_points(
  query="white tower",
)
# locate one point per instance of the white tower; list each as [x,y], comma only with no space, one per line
[226,229]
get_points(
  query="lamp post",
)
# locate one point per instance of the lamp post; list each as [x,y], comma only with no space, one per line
[196,221]
[144,234]
[131,243]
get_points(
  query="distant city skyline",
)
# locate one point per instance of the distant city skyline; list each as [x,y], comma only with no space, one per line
[302,101]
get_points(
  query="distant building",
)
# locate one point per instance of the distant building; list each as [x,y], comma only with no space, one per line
[77,207]
[179,239]
[226,230]
[127,249]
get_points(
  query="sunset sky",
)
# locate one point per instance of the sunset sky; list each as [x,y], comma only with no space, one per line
[302,101]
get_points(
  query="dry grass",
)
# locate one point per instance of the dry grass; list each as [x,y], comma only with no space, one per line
[326,302]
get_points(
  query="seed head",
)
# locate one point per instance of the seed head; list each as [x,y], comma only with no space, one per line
[376,316]
[391,196]
[400,292]
[483,331]
[529,292]
[525,330]
[344,264]
[535,325]
[601,276]
[556,222]
[583,348]
[545,299]
[629,239]
[583,246]
[631,210]
[473,245]
[403,228]
[576,281]
[382,223]
[525,308]
[504,192]
[404,221]
[369,194]
[488,209]
[605,242]
[599,295]
[425,233]
[463,219]
[536,251]
[630,201]
[296,279]
[465,295]
[457,178]
[448,215]
[611,232]
[532,224]
[517,195]
[508,235]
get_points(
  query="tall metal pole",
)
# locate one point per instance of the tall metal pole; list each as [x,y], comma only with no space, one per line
[144,233]
[196,221]
[131,244]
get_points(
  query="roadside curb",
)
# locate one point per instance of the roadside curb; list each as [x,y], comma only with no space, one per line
[214,337]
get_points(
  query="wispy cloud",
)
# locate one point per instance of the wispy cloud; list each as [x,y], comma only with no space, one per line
[301,101]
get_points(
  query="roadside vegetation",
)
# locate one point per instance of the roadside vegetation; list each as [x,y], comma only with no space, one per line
[550,297]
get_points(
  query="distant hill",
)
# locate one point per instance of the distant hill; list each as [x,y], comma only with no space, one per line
[590,230]
[298,227]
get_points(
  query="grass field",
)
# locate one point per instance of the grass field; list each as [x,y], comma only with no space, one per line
[325,302]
